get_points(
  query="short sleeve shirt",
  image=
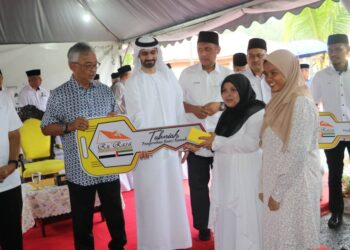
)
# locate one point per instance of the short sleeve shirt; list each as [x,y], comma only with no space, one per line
[332,89]
[9,122]
[199,88]
[30,96]
[65,104]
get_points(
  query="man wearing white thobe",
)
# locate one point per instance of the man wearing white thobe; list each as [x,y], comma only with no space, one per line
[154,99]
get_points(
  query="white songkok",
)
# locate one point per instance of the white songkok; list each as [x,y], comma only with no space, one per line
[148,43]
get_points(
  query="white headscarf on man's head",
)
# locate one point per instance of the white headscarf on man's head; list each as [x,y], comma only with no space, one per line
[149,43]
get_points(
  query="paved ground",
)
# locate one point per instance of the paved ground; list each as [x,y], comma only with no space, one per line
[336,239]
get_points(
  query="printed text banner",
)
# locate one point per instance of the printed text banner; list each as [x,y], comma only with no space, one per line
[112,145]
[332,131]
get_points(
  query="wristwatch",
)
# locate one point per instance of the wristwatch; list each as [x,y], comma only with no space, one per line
[13,162]
[222,106]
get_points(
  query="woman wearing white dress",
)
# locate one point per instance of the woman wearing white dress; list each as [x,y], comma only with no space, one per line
[235,210]
[290,172]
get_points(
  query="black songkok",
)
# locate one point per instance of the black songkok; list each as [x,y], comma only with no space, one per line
[33,72]
[338,38]
[124,69]
[304,66]
[146,42]
[257,43]
[239,59]
[208,37]
[115,75]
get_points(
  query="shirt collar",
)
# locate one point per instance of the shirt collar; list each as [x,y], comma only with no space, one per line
[347,69]
[76,84]
[216,69]
[250,72]
[35,90]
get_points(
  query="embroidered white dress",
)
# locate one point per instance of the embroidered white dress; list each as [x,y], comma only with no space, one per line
[235,209]
[293,179]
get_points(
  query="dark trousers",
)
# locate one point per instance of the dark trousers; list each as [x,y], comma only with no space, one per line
[10,219]
[335,158]
[198,178]
[82,200]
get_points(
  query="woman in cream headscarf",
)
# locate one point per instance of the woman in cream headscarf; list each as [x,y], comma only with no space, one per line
[290,173]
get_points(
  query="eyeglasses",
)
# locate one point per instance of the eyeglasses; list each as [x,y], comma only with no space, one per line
[89,66]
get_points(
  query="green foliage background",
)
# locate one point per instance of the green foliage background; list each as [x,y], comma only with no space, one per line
[330,18]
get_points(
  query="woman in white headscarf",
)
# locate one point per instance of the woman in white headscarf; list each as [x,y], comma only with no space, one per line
[290,173]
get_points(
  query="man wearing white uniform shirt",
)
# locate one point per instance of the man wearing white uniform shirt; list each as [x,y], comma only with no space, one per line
[10,183]
[256,55]
[33,94]
[154,99]
[201,85]
[331,87]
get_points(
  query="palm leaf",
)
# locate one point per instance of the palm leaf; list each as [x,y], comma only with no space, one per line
[329,18]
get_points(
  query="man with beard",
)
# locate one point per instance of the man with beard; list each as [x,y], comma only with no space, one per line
[331,87]
[154,99]
[256,55]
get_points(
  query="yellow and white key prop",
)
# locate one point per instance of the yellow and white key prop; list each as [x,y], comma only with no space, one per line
[112,145]
[332,131]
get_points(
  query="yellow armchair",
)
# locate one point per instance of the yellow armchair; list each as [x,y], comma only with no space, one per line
[36,148]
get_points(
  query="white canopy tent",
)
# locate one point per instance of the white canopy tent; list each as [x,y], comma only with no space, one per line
[38,33]
[50,21]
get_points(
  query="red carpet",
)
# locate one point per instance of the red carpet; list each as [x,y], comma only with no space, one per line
[60,236]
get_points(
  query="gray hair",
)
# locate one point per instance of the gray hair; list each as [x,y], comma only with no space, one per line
[77,49]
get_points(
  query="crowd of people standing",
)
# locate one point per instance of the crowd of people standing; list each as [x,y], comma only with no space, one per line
[261,156]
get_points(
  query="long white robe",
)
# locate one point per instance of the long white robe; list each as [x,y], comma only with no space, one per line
[235,209]
[154,100]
